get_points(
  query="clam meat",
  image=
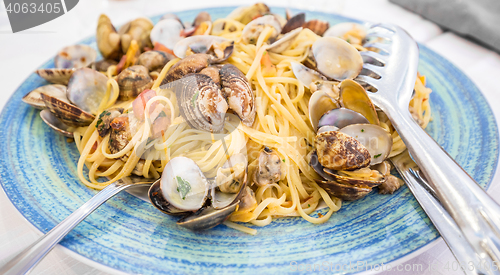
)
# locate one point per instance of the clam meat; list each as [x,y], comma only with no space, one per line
[270,169]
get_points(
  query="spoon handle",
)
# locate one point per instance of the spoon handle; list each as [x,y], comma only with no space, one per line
[475,212]
[25,261]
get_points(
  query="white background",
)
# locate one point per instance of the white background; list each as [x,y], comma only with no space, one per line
[23,52]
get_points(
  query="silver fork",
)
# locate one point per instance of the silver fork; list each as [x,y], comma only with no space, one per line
[27,259]
[476,214]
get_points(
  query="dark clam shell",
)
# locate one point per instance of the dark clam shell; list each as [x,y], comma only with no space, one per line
[103,65]
[319,27]
[295,22]
[238,92]
[202,17]
[53,122]
[207,217]
[67,113]
[200,102]
[56,76]
[132,81]
[161,203]
[190,64]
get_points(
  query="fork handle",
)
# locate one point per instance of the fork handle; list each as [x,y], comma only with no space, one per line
[25,261]
[475,212]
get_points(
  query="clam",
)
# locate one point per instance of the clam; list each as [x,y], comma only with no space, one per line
[269,169]
[184,190]
[138,30]
[202,17]
[351,32]
[103,124]
[305,75]
[336,59]
[340,190]
[238,92]
[253,29]
[200,102]
[69,114]
[247,200]
[167,32]
[317,26]
[34,98]
[75,56]
[154,60]
[247,14]
[103,65]
[374,138]
[219,48]
[319,104]
[86,89]
[120,133]
[213,73]
[284,42]
[172,16]
[354,97]
[339,151]
[108,40]
[231,178]
[132,81]
[294,22]
[55,123]
[190,64]
[56,76]
[340,118]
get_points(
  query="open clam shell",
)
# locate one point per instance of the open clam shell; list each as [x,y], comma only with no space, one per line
[207,218]
[342,30]
[86,89]
[75,56]
[108,40]
[200,102]
[252,30]
[139,30]
[341,118]
[56,76]
[354,97]
[161,203]
[319,104]
[305,75]
[336,58]
[284,42]
[219,47]
[55,123]
[294,22]
[69,114]
[34,98]
[374,138]
[167,32]
[238,92]
[374,180]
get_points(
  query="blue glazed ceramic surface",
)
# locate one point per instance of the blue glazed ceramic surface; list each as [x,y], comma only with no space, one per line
[38,174]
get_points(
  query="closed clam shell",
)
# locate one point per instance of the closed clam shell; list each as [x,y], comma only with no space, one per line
[295,22]
[108,40]
[339,151]
[340,190]
[238,92]
[191,64]
[34,98]
[67,113]
[373,181]
[132,81]
[336,58]
[56,76]
[154,60]
[200,101]
[86,89]
[354,97]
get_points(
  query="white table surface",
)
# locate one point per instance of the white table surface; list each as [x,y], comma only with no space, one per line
[23,52]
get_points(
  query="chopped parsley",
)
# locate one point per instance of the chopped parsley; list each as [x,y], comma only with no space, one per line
[348,40]
[376,156]
[362,130]
[183,187]
[308,205]
[195,96]
[283,160]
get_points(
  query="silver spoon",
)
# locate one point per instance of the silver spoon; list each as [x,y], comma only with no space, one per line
[25,261]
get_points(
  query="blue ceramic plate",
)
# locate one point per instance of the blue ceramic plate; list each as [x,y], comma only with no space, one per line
[38,173]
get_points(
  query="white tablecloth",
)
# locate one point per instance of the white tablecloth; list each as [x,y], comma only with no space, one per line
[21,53]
